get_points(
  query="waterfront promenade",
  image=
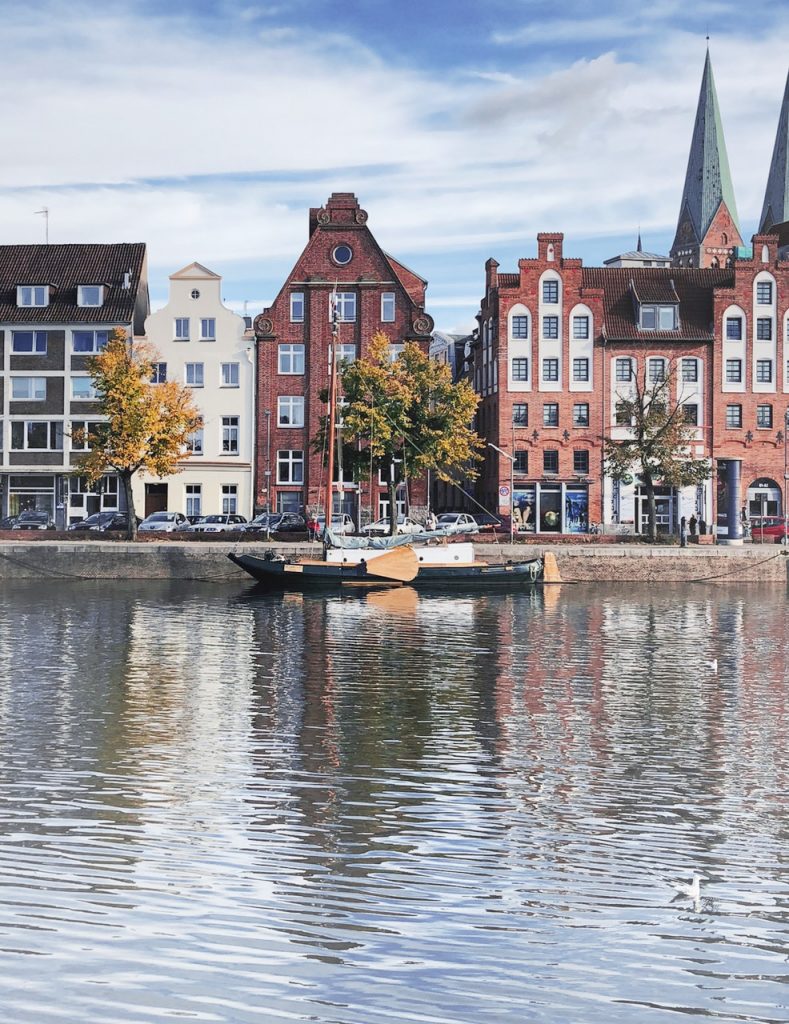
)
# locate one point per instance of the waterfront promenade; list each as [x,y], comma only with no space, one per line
[594,562]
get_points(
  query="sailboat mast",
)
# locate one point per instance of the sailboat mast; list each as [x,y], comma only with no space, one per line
[332,411]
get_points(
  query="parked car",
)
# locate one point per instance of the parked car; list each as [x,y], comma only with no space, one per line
[341,523]
[767,530]
[226,523]
[458,519]
[488,523]
[104,521]
[381,527]
[277,522]
[8,522]
[164,522]
[34,520]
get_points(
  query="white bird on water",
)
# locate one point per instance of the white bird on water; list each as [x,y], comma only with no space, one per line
[712,665]
[691,889]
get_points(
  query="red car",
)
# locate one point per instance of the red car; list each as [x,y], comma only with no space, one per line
[767,530]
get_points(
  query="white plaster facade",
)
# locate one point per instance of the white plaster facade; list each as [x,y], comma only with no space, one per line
[203,344]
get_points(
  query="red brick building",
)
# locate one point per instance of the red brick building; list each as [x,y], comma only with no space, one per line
[341,265]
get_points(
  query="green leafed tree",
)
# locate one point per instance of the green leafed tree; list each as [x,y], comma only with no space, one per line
[147,425]
[407,411]
[658,438]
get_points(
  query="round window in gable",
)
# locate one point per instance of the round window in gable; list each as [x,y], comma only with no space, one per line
[342,254]
[195,293]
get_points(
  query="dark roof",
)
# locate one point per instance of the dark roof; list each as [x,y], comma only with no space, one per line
[693,287]
[63,268]
[509,280]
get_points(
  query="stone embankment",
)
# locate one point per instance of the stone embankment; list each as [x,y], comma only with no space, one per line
[625,563]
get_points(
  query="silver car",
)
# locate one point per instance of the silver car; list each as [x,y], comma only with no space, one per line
[163,522]
[219,524]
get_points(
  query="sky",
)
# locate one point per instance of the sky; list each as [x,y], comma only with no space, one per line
[208,128]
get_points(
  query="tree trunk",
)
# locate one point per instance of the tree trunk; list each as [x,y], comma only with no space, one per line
[131,529]
[651,510]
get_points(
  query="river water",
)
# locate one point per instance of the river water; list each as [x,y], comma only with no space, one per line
[399,808]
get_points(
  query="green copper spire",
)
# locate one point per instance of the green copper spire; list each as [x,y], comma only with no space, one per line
[708,179]
[776,197]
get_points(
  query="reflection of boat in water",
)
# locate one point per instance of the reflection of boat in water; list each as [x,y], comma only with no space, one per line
[444,565]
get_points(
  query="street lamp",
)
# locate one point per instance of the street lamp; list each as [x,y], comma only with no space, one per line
[512,484]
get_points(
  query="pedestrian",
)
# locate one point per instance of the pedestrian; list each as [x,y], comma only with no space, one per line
[692,524]
[683,533]
[431,522]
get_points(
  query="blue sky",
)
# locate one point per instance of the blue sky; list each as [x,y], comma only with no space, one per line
[208,129]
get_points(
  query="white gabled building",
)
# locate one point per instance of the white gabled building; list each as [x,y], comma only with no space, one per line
[203,344]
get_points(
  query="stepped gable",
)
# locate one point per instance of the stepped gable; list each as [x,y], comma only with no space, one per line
[624,287]
[708,211]
[63,268]
[775,211]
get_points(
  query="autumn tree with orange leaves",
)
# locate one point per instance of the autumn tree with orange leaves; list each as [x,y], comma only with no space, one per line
[147,425]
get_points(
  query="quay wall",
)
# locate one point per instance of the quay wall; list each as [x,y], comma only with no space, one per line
[623,563]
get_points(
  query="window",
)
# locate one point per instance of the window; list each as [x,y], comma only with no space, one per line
[90,295]
[296,307]
[656,371]
[764,415]
[193,374]
[37,435]
[290,466]
[291,359]
[764,328]
[764,292]
[34,342]
[346,353]
[624,370]
[28,389]
[581,327]
[550,292]
[764,371]
[290,411]
[733,416]
[733,371]
[195,442]
[395,351]
[194,499]
[195,293]
[520,414]
[89,341]
[520,369]
[229,375]
[622,414]
[550,414]
[521,464]
[342,307]
[550,327]
[158,373]
[387,307]
[83,434]
[342,254]
[550,461]
[83,390]
[581,369]
[229,499]
[208,328]
[663,318]
[580,461]
[581,414]
[181,332]
[550,369]
[690,414]
[734,328]
[230,435]
[519,326]
[32,295]
[690,371]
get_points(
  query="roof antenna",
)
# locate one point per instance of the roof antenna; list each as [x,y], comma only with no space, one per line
[44,211]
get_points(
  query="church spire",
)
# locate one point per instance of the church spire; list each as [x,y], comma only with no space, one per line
[776,197]
[707,228]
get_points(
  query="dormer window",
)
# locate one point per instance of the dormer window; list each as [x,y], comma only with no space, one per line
[90,295]
[658,318]
[32,295]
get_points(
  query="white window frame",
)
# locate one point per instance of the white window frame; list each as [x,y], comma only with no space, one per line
[229,499]
[181,328]
[345,303]
[290,353]
[342,353]
[98,341]
[290,411]
[388,307]
[38,342]
[194,499]
[208,333]
[36,390]
[92,394]
[196,442]
[297,307]
[86,292]
[54,432]
[191,370]
[291,459]
[85,426]
[159,372]
[581,327]
[230,375]
[231,431]
[32,296]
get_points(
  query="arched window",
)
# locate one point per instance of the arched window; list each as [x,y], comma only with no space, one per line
[724,239]
[765,254]
[549,255]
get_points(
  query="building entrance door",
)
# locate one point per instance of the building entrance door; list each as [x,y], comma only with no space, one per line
[665,506]
[155,498]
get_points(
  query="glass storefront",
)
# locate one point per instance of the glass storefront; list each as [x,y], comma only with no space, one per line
[31,493]
[551,508]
